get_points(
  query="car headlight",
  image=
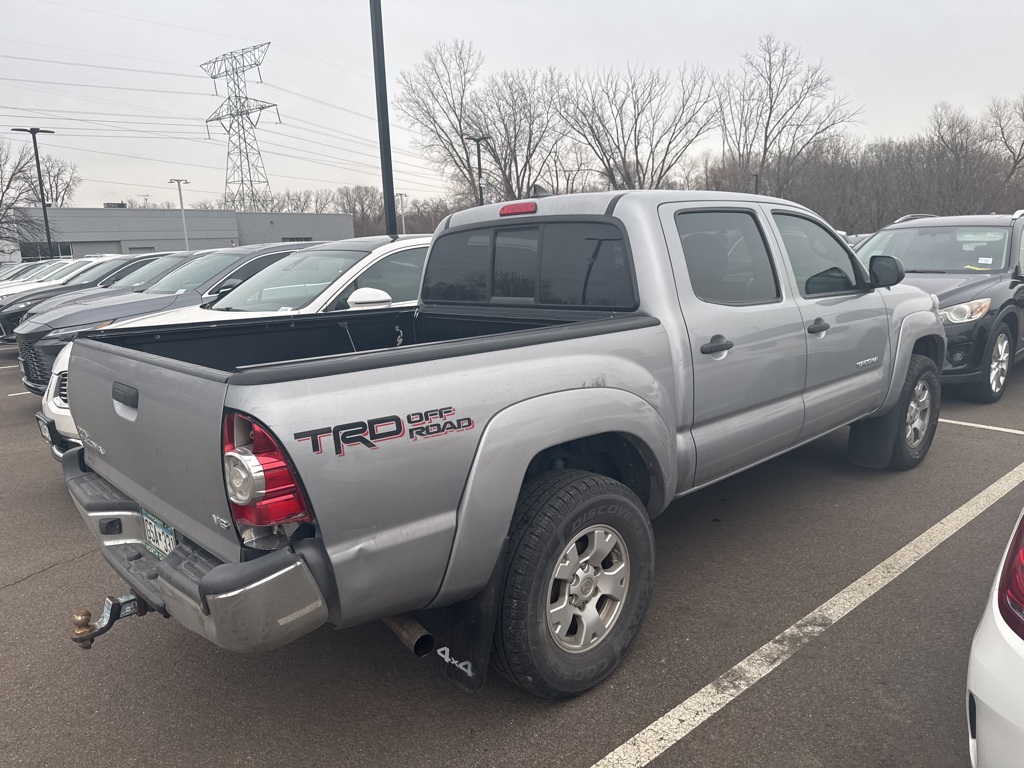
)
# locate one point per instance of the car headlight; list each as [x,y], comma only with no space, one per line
[19,306]
[67,334]
[966,312]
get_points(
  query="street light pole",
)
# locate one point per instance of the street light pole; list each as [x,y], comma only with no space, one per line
[181,202]
[387,178]
[479,166]
[401,198]
[42,190]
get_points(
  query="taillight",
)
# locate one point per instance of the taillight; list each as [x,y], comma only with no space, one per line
[515,209]
[1011,583]
[261,486]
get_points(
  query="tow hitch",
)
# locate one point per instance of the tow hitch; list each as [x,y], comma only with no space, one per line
[114,608]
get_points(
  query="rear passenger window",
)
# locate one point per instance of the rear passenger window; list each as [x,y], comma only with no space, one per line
[577,263]
[726,257]
[821,265]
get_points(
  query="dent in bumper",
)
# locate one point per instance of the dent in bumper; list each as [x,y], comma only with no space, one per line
[249,606]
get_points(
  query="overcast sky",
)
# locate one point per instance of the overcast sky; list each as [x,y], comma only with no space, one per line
[136,118]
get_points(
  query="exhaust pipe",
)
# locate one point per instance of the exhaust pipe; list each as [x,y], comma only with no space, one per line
[411,633]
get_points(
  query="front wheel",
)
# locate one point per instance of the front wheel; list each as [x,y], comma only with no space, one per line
[996,366]
[577,583]
[918,410]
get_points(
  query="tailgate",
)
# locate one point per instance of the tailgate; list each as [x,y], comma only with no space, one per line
[152,427]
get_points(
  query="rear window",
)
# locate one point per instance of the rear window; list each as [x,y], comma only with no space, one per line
[569,264]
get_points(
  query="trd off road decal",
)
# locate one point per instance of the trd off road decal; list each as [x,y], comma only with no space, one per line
[370,433]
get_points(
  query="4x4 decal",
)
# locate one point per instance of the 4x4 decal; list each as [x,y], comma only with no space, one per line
[370,433]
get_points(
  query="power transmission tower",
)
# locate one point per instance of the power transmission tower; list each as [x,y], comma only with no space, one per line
[246,187]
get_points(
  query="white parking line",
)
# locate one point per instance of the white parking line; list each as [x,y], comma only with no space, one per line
[982,426]
[8,366]
[16,394]
[675,724]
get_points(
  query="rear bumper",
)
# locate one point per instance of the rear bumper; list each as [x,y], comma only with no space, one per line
[995,678]
[249,606]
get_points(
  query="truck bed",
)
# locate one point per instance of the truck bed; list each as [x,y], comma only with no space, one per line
[260,351]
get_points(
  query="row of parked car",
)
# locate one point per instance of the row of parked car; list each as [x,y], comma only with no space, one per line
[872,355]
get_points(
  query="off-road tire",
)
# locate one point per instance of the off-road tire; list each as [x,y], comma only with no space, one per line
[911,445]
[553,509]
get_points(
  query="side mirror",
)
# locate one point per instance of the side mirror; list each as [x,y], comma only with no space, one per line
[228,285]
[369,298]
[885,271]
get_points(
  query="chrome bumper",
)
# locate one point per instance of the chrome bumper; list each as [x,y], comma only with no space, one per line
[248,606]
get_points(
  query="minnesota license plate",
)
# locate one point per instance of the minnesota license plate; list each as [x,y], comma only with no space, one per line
[160,538]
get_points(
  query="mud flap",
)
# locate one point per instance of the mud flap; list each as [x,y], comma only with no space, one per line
[871,440]
[464,632]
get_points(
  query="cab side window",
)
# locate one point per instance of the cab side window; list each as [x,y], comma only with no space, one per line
[398,274]
[821,265]
[726,257]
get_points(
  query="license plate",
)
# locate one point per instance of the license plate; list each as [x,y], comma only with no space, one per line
[43,429]
[159,535]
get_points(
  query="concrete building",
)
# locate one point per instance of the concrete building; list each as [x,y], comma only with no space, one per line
[82,231]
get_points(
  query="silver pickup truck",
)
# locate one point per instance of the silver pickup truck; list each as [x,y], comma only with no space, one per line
[491,459]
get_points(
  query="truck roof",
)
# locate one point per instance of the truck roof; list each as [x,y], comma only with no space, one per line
[603,203]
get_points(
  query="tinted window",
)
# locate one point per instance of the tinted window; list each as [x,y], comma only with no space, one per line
[515,263]
[458,267]
[116,273]
[398,274]
[941,249]
[821,265]
[194,274]
[726,257]
[556,263]
[292,282]
[67,269]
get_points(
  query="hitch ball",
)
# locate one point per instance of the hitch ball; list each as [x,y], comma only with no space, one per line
[83,626]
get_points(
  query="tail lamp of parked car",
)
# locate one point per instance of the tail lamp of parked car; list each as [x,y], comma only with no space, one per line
[1011,583]
[261,485]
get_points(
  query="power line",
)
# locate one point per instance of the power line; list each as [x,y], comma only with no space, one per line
[204,31]
[107,87]
[101,66]
[333,106]
[35,44]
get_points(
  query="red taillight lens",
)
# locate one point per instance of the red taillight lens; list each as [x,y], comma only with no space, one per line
[514,209]
[1011,583]
[256,470]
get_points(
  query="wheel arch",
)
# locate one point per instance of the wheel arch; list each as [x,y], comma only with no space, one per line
[593,429]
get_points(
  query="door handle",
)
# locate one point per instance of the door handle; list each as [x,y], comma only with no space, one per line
[818,326]
[718,343]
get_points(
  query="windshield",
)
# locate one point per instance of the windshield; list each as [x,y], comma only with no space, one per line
[149,271]
[37,271]
[291,283]
[941,249]
[95,272]
[194,274]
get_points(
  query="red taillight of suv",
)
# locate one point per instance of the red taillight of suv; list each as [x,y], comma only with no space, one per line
[260,483]
[1011,583]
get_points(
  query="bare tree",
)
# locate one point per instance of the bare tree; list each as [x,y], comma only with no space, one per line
[366,204]
[1004,123]
[423,216]
[638,124]
[17,173]
[571,169]
[60,180]
[774,111]
[516,111]
[436,97]
[216,204]
[323,201]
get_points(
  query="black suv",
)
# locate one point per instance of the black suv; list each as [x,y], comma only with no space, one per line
[973,265]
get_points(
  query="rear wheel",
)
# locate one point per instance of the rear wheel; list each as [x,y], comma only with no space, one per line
[996,366]
[577,584]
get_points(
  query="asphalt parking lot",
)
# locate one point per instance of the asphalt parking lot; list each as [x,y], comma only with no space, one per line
[738,564]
